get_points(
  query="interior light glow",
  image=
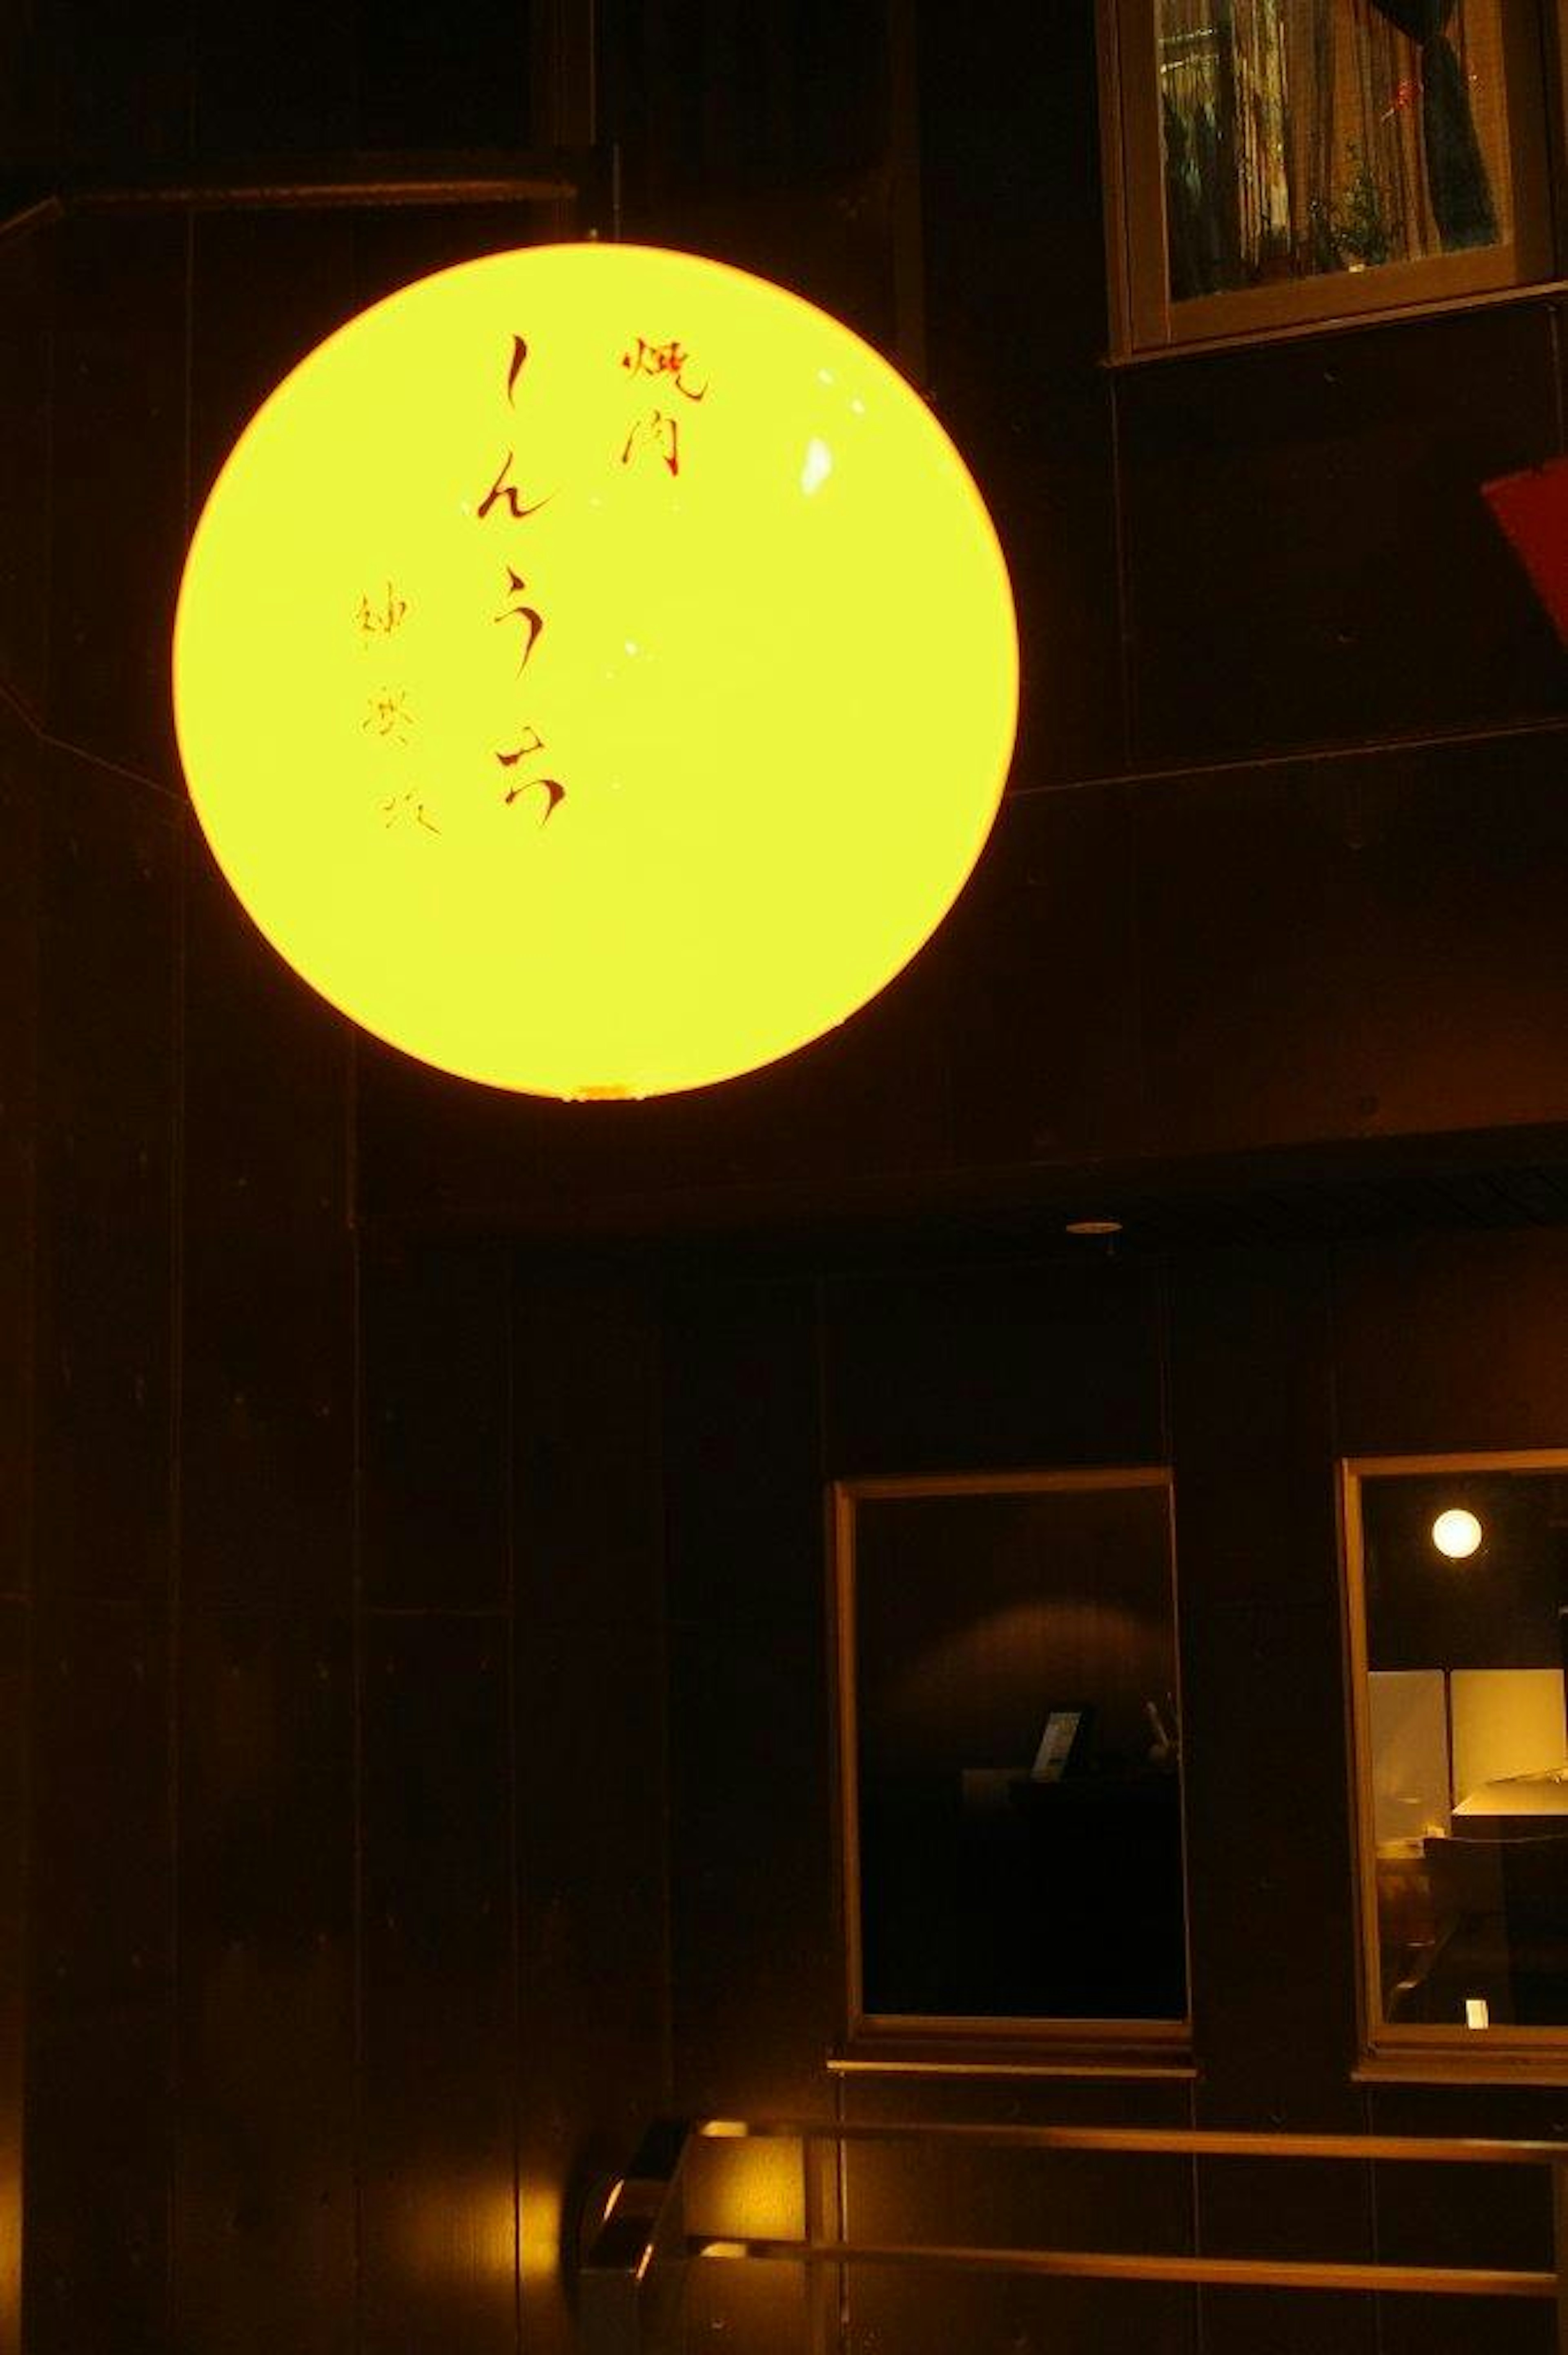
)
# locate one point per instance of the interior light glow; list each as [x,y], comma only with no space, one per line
[1457,1533]
[1477,2013]
[545,709]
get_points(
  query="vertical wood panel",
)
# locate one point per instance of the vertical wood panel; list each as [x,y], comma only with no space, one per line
[1359,950]
[752,1903]
[27,96]
[1452,1343]
[437,2256]
[442,79]
[437,1436]
[1287,2209]
[1046,1052]
[19,762]
[1249,932]
[18,937]
[121,84]
[996,2315]
[587,1437]
[593,1983]
[742,1455]
[1462,2220]
[762,2307]
[1252,1392]
[1016,325]
[263,2220]
[26,292]
[1262,1749]
[106,1122]
[267,1425]
[117,483]
[1240,2321]
[591,1772]
[15,1639]
[758,1987]
[274,82]
[1466,986]
[1030,2198]
[99,2115]
[1309,559]
[988,1368]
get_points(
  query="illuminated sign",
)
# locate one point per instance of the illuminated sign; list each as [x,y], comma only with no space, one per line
[595,671]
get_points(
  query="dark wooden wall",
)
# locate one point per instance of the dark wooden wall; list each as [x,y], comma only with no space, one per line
[1250,1372]
[413,1727]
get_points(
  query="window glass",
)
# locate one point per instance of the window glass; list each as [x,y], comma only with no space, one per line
[1306,136]
[1463,1578]
[1275,162]
[1011,1759]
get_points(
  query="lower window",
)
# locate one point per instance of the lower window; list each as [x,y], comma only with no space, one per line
[1457,1588]
[1010,1758]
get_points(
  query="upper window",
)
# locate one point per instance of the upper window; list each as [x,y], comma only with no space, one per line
[1458,1612]
[1282,161]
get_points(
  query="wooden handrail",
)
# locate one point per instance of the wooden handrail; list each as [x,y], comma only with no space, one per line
[367,180]
[1201,2141]
[633,2276]
[1120,2265]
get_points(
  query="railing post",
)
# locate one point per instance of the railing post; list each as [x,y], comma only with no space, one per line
[1559,2248]
[632,2278]
[821,2284]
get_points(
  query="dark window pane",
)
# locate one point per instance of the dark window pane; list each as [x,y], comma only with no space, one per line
[1019,1805]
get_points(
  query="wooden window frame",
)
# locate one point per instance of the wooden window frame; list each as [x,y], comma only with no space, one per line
[1422,2052]
[1145,322]
[952,2044]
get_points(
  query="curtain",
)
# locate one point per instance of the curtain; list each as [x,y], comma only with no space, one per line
[1457,182]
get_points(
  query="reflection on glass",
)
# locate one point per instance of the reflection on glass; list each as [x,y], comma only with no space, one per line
[1307,137]
[1013,1736]
[1468,1746]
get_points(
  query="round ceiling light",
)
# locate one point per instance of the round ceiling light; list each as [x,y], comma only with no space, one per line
[1457,1533]
[595,671]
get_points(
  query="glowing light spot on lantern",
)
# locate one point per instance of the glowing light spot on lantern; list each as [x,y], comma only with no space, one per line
[536,717]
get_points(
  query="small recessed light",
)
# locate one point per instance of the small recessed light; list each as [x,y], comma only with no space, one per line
[1093,1227]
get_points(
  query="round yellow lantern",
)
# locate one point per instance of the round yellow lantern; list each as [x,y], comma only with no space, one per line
[595,671]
